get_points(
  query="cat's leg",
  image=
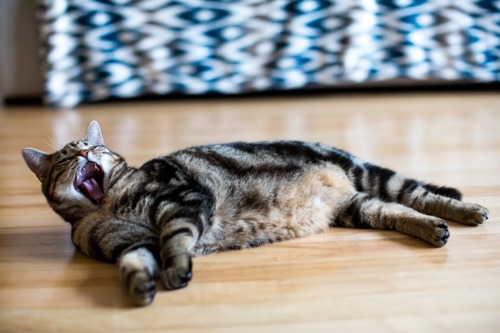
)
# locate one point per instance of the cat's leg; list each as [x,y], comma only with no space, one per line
[444,202]
[423,199]
[364,211]
[132,246]
[138,272]
[177,240]
[181,219]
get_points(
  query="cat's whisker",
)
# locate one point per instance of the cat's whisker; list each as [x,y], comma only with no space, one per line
[51,143]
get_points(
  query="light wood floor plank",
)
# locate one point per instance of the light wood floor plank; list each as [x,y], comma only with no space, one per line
[343,280]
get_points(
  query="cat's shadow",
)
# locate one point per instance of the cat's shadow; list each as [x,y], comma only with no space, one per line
[49,248]
[98,283]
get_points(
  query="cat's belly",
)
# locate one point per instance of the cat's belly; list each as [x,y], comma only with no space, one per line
[280,211]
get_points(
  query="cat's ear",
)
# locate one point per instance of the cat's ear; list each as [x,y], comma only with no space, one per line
[94,135]
[38,162]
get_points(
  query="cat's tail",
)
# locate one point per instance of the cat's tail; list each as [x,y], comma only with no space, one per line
[444,191]
[390,186]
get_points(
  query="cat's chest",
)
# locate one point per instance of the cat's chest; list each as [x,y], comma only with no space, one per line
[133,203]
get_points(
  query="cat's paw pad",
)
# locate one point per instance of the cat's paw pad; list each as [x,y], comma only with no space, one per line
[440,234]
[178,274]
[142,287]
[476,215]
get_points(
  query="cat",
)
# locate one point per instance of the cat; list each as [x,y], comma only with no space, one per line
[152,220]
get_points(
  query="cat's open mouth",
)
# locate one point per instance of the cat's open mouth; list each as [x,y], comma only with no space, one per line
[89,181]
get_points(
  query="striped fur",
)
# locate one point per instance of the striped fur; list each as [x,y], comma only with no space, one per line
[155,218]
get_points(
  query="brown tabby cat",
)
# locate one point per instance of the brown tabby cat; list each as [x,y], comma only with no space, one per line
[153,219]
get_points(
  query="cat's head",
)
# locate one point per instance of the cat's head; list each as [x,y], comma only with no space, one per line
[75,179]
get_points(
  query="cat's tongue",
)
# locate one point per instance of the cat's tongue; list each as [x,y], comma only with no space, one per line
[93,189]
[89,182]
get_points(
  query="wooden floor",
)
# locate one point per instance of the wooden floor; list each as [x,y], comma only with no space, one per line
[341,281]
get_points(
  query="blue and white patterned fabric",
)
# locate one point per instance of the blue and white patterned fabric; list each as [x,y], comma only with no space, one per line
[99,49]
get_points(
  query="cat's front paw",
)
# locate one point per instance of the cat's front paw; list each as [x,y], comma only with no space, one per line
[139,272]
[141,286]
[177,272]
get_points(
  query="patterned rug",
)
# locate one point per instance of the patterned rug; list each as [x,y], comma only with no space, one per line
[99,49]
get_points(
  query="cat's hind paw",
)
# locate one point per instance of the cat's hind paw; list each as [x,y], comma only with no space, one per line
[475,215]
[440,233]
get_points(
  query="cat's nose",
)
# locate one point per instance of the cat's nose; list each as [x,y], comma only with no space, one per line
[84,153]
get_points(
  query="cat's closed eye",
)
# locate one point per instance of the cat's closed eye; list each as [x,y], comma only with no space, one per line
[64,160]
